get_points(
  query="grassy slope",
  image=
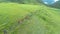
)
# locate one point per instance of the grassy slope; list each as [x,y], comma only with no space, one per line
[23,1]
[42,19]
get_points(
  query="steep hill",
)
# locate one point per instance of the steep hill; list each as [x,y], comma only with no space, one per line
[23,1]
[28,19]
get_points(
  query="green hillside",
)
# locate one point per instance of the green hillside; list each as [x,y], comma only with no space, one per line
[28,19]
[23,1]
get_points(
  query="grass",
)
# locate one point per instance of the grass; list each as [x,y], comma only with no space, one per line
[28,19]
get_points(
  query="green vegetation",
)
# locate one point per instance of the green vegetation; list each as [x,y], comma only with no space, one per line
[23,1]
[28,19]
